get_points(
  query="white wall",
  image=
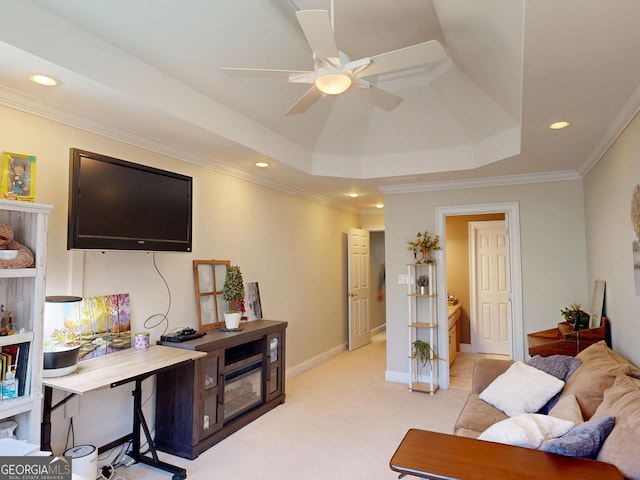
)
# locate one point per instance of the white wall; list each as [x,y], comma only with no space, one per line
[552,250]
[294,248]
[608,191]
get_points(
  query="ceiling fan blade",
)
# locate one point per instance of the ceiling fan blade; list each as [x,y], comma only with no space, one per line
[305,101]
[316,25]
[406,57]
[262,72]
[380,98]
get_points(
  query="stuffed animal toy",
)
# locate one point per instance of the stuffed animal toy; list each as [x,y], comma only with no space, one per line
[24,259]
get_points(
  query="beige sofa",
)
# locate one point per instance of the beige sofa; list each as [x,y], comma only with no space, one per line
[605,384]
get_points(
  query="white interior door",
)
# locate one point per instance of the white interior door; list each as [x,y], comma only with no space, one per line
[359,288]
[490,319]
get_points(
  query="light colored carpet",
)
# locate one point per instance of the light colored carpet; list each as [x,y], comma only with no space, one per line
[340,421]
[463,365]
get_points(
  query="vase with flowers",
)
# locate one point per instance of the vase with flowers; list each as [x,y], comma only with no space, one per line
[424,243]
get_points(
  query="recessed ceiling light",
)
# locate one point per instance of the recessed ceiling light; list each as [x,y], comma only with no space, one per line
[559,125]
[43,80]
[353,195]
[262,164]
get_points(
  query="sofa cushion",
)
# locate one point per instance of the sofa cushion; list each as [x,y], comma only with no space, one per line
[585,440]
[597,373]
[521,389]
[477,415]
[526,430]
[620,448]
[560,366]
[568,409]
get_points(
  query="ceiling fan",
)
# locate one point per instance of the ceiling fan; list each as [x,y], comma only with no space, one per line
[334,73]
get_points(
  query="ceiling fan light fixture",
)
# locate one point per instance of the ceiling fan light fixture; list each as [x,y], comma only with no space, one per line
[333,83]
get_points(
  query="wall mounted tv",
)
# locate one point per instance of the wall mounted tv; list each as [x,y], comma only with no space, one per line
[119,205]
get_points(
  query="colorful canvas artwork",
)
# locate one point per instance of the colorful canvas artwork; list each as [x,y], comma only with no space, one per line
[103,323]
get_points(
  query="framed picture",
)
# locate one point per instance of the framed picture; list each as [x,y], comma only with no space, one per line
[208,277]
[252,301]
[18,176]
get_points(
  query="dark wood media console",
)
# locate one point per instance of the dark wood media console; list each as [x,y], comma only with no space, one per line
[240,379]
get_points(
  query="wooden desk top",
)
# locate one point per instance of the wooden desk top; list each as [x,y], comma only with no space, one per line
[440,456]
[102,372]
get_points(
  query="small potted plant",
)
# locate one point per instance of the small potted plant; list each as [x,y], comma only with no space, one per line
[574,315]
[423,284]
[233,292]
[423,352]
[424,243]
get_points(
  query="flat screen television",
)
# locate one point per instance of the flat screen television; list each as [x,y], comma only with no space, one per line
[119,205]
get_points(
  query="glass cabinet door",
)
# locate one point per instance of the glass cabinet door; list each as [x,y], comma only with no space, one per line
[211,420]
[274,368]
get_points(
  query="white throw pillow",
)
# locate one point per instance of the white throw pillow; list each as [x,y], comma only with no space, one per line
[527,430]
[521,389]
[567,408]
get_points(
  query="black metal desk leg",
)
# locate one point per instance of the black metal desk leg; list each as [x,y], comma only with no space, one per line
[45,425]
[140,422]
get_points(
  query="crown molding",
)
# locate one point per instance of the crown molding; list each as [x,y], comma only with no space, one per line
[625,115]
[23,103]
[481,182]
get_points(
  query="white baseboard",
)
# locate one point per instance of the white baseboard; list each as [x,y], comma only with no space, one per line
[315,361]
[323,357]
[397,377]
[379,329]
[466,348]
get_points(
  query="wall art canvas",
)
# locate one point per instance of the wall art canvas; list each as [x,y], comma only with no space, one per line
[18,177]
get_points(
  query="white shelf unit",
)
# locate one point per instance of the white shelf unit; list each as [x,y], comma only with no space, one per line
[22,292]
[423,325]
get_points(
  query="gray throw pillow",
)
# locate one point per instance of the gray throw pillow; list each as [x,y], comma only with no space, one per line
[584,440]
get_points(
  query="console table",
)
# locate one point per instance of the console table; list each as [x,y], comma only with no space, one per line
[111,371]
[562,340]
[240,378]
[440,456]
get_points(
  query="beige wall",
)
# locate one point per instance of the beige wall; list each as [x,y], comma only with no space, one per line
[294,248]
[552,250]
[608,191]
[457,260]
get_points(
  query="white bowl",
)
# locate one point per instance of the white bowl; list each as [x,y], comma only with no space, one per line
[8,254]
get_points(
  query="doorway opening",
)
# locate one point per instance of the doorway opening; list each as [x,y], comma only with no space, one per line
[450,219]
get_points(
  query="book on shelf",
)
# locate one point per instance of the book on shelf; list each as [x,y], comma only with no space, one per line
[3,365]
[21,367]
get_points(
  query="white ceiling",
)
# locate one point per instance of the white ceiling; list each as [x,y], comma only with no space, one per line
[149,72]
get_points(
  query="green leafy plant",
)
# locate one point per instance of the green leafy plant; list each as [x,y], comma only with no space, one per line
[574,312]
[423,352]
[233,288]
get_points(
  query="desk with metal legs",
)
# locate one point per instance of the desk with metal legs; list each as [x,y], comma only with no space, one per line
[111,371]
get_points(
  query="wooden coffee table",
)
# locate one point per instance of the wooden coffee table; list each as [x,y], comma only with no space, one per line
[440,456]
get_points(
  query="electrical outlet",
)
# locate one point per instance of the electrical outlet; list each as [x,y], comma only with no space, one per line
[403,279]
[72,407]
